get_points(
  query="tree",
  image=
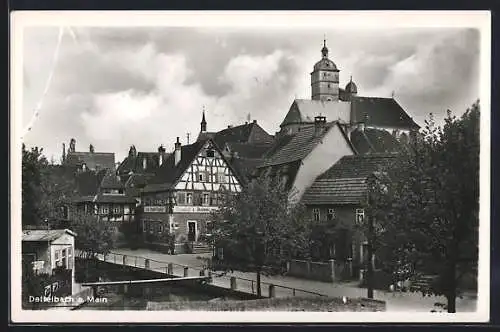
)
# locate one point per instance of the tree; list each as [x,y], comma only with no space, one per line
[259,228]
[94,236]
[431,205]
[46,188]
[33,163]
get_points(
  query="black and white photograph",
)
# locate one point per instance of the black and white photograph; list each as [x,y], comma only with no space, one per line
[250,166]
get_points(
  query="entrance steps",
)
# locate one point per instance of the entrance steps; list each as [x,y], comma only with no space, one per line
[201,248]
[422,282]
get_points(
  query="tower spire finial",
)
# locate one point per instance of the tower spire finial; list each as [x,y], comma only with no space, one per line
[324,50]
[203,121]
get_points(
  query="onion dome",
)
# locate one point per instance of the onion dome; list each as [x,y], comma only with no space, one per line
[351,87]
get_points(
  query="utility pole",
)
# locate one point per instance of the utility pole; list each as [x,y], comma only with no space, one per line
[369,253]
[369,259]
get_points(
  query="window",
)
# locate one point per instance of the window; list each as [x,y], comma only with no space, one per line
[221,178]
[331,214]
[360,216]
[210,153]
[209,228]
[104,209]
[57,258]
[160,229]
[70,258]
[63,258]
[181,198]
[117,210]
[189,198]
[201,177]
[316,214]
[213,199]
[205,199]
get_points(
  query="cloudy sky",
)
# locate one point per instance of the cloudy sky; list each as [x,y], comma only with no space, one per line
[114,87]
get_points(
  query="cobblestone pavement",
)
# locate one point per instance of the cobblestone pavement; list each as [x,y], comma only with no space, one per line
[284,285]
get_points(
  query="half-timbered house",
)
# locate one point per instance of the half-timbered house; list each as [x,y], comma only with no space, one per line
[187,187]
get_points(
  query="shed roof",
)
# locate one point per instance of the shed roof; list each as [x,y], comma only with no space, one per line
[50,235]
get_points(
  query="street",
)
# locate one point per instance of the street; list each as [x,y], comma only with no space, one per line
[395,301]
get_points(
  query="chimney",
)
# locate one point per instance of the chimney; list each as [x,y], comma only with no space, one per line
[177,152]
[161,155]
[319,125]
[64,153]
[254,121]
[362,124]
[229,126]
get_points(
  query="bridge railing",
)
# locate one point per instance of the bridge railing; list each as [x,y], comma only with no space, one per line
[268,289]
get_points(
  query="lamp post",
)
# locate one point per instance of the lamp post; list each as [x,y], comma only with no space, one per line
[170,207]
[369,249]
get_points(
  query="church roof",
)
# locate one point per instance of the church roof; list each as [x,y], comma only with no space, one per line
[374,141]
[304,110]
[325,64]
[346,181]
[92,160]
[381,112]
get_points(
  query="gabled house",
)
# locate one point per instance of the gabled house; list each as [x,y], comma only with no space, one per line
[337,197]
[244,146]
[91,160]
[110,202]
[52,252]
[299,158]
[185,190]
[143,163]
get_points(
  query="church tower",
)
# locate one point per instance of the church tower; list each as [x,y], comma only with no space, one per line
[325,78]
[203,122]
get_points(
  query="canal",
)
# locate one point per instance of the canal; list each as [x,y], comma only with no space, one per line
[142,296]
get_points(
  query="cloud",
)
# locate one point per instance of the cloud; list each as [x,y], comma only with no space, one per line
[114,87]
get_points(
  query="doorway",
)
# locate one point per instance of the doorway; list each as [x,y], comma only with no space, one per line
[192,231]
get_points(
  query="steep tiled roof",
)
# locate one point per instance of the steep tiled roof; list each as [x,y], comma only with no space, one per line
[304,111]
[346,181]
[249,150]
[245,167]
[381,112]
[358,166]
[39,235]
[296,147]
[335,191]
[205,135]
[92,160]
[374,141]
[116,199]
[111,181]
[135,163]
[88,182]
[168,174]
[246,133]
[106,198]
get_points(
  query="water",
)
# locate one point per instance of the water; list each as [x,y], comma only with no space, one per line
[140,295]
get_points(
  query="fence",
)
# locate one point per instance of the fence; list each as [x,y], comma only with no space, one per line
[323,271]
[220,279]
